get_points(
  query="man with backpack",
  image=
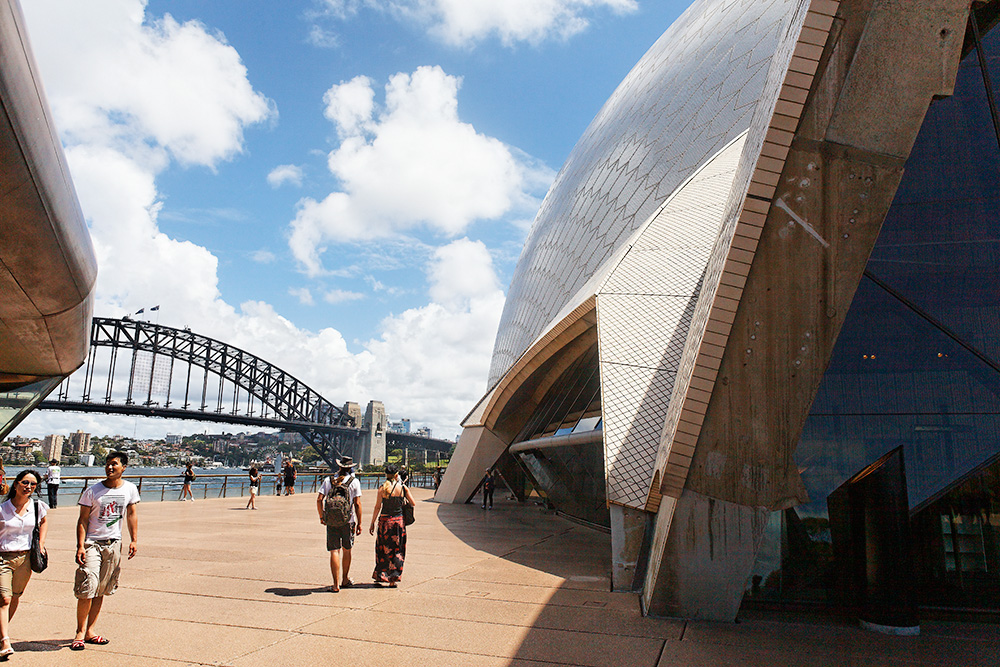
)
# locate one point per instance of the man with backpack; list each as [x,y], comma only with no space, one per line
[339,506]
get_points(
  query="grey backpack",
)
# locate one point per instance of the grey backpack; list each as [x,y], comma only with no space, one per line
[337,503]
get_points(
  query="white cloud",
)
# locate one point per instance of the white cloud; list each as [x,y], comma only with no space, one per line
[427,362]
[263,256]
[303,294]
[411,163]
[322,38]
[143,88]
[285,173]
[340,296]
[464,22]
[431,361]
[350,105]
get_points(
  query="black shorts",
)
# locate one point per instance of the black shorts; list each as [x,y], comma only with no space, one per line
[337,538]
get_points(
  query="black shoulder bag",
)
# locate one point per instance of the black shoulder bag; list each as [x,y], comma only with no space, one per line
[39,559]
[407,510]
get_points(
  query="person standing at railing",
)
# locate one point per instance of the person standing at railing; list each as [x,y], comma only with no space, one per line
[17,522]
[289,478]
[53,475]
[98,544]
[188,478]
[254,488]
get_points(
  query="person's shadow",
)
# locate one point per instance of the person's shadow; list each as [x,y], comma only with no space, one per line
[39,645]
[296,592]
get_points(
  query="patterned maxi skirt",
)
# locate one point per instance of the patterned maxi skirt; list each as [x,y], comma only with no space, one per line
[390,549]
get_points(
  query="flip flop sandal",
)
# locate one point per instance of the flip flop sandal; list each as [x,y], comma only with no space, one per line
[77,645]
[346,583]
[97,639]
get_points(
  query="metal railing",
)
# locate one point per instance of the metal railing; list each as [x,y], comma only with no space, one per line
[218,485]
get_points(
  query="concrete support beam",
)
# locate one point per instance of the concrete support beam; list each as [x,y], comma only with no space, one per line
[628,530]
[710,549]
[478,449]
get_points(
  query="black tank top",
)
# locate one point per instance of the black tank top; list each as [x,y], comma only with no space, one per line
[392,505]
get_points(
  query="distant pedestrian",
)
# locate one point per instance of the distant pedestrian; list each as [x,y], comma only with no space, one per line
[404,475]
[390,545]
[53,476]
[17,522]
[277,483]
[488,486]
[339,505]
[289,478]
[98,544]
[188,478]
[254,488]
[437,478]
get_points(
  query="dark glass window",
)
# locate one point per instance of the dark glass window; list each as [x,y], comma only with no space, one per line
[916,365]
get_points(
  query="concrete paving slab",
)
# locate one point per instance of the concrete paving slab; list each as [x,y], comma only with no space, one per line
[214,584]
[496,639]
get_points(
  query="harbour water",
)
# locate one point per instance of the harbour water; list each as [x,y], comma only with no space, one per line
[162,484]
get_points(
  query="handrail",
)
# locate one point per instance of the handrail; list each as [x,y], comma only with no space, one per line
[220,485]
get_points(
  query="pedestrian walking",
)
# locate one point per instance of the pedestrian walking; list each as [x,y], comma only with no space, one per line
[98,545]
[188,478]
[17,522]
[390,544]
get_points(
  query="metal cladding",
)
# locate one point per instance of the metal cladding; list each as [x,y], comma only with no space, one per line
[693,92]
[47,262]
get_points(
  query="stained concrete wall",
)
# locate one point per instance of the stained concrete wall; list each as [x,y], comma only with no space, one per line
[884,62]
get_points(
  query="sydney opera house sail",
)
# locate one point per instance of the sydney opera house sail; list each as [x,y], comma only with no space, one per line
[757,301]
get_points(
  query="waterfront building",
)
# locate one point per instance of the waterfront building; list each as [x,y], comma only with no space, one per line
[79,442]
[52,447]
[401,426]
[753,329]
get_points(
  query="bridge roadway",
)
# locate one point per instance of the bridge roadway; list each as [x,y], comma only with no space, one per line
[215,584]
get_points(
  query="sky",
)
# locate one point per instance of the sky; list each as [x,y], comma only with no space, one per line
[341,187]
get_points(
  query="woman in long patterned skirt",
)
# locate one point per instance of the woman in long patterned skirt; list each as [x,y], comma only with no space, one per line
[390,545]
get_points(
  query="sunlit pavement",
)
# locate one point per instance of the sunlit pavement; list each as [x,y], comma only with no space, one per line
[217,584]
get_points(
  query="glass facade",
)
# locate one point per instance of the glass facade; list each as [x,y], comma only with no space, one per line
[569,472]
[917,366]
[15,404]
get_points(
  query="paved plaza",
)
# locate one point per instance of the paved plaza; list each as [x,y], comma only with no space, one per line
[215,584]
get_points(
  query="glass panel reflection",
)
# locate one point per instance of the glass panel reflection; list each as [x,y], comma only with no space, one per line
[916,366]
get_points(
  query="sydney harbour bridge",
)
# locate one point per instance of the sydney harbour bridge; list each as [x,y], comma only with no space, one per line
[149,370]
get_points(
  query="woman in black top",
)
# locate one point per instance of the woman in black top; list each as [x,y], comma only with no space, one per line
[254,488]
[188,478]
[390,545]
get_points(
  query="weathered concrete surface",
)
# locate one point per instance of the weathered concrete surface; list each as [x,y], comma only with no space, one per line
[215,584]
[839,177]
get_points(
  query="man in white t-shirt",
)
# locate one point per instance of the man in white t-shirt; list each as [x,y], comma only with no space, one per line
[341,538]
[98,544]
[53,476]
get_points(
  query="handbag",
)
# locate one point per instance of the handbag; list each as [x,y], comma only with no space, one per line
[407,512]
[39,559]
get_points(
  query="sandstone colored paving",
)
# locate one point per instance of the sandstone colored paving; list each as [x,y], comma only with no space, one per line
[215,584]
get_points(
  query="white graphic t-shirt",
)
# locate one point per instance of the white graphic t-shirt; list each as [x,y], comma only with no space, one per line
[54,474]
[107,509]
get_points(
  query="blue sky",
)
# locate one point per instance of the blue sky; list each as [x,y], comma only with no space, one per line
[339,186]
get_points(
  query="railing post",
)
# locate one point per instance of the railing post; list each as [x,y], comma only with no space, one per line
[86,483]
[225,482]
